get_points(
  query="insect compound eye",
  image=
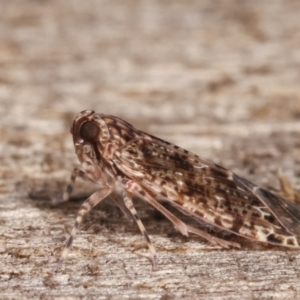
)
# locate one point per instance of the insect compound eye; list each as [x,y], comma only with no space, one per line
[89,131]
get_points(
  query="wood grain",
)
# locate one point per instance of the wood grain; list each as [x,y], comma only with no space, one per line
[219,78]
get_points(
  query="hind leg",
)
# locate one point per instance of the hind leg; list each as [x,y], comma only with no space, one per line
[129,204]
[135,188]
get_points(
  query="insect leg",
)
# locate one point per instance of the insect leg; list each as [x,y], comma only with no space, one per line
[66,195]
[89,203]
[129,204]
[120,203]
[181,226]
[212,239]
[75,173]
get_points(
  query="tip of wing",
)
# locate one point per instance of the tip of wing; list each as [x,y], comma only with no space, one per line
[286,212]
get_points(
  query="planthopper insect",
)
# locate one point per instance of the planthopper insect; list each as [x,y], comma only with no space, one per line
[114,155]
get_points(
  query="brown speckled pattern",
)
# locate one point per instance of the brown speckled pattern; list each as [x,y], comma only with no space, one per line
[115,155]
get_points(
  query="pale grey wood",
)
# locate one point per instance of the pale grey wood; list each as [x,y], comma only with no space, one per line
[218,78]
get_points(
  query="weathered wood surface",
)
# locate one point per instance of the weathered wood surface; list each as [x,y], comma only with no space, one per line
[220,78]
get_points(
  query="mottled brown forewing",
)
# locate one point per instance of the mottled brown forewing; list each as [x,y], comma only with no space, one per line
[208,192]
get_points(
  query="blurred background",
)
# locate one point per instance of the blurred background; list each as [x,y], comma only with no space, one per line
[219,78]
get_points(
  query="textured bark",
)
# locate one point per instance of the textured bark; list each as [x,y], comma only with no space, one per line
[219,78]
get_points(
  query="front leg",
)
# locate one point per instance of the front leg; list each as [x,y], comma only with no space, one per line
[89,203]
[66,195]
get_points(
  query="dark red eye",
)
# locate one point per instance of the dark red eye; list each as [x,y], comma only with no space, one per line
[89,131]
